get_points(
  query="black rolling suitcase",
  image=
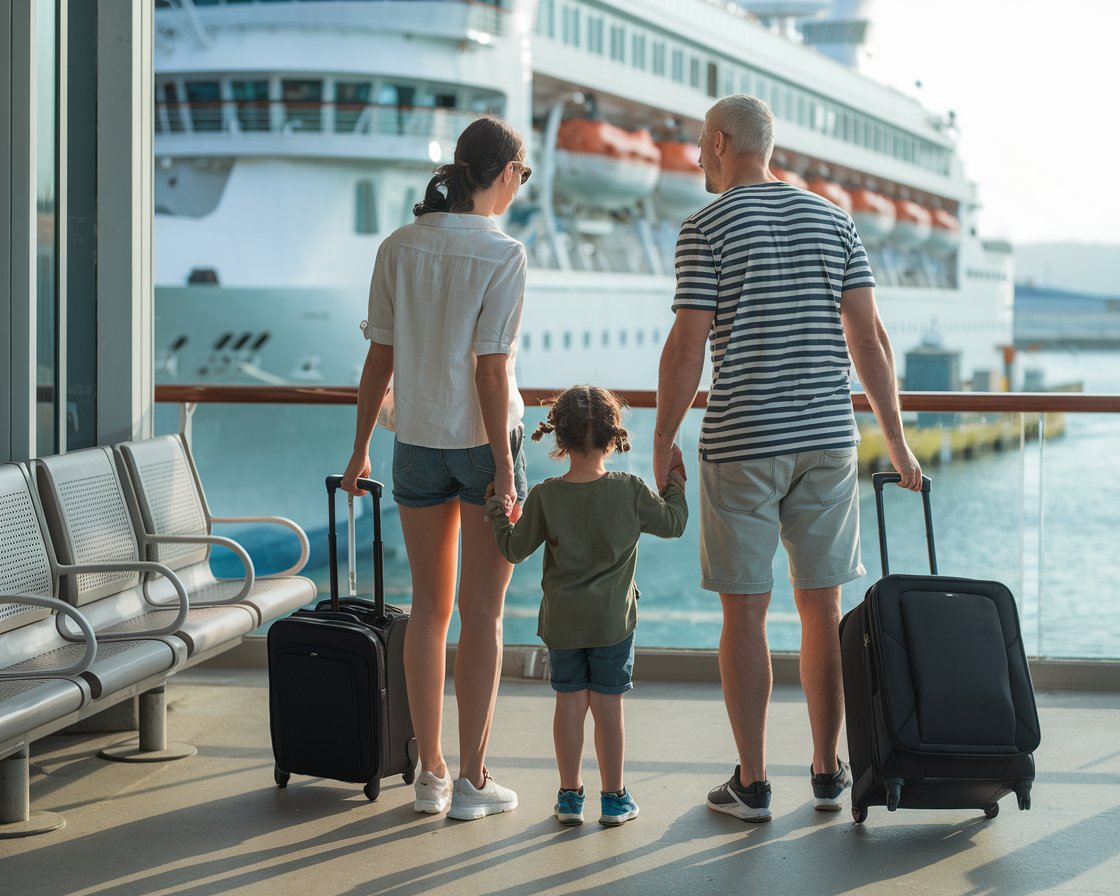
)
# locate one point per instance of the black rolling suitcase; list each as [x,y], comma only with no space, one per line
[940,708]
[337,702]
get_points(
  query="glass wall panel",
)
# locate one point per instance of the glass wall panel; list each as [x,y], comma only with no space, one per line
[46,243]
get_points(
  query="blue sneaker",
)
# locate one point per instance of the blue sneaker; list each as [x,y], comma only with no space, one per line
[569,806]
[618,809]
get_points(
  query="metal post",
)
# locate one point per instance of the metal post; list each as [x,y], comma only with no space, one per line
[15,781]
[153,720]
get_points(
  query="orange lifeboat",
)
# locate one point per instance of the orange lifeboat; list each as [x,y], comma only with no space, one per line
[945,235]
[912,225]
[599,165]
[873,214]
[833,192]
[790,177]
[680,189]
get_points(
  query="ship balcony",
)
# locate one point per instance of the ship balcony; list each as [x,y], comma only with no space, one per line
[216,823]
[302,129]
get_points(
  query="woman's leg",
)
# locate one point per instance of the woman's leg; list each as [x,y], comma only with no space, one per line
[432,543]
[567,734]
[483,580]
[610,739]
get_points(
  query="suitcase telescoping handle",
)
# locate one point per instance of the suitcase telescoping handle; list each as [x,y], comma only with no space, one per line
[374,488]
[881,479]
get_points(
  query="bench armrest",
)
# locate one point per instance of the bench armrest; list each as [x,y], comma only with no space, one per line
[59,606]
[242,554]
[304,546]
[137,566]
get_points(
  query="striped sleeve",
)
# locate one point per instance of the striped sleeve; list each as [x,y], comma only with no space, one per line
[857,272]
[697,280]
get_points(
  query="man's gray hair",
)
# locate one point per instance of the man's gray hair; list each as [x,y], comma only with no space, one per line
[748,123]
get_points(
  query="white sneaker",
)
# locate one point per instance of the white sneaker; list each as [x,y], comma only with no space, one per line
[469,802]
[432,793]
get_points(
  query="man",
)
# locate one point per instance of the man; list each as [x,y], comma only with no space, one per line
[778,280]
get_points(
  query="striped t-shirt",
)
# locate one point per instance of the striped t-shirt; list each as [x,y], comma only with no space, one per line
[771,261]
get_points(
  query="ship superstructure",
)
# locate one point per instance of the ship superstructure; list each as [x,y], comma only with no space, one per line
[292,136]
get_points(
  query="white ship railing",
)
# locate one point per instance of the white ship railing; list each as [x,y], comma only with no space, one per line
[249,119]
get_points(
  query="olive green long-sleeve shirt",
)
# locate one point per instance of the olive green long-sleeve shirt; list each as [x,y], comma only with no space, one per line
[590,531]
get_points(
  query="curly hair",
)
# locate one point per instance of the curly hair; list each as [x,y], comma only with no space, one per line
[585,419]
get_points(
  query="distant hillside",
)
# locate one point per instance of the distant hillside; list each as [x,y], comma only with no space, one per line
[1079,267]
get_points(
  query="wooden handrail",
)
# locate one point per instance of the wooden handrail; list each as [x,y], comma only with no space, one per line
[984,402]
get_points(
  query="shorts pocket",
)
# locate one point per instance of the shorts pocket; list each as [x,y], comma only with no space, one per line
[744,487]
[404,458]
[482,459]
[833,479]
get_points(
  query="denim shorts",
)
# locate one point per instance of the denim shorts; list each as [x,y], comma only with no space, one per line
[425,477]
[605,670]
[809,499]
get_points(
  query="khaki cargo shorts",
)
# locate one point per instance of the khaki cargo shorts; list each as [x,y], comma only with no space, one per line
[810,500]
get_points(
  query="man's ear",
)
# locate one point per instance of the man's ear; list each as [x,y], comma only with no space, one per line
[719,142]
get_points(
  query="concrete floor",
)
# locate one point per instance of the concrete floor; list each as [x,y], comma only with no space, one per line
[215,824]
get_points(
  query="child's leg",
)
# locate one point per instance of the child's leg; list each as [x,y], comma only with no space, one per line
[610,739]
[567,733]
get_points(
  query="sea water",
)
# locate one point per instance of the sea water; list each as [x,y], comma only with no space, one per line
[1043,520]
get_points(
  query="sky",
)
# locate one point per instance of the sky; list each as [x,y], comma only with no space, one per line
[1036,90]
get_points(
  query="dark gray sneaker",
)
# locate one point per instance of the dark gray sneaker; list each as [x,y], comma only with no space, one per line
[748,803]
[831,789]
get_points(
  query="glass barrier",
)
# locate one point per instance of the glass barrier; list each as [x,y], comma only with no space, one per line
[1016,497]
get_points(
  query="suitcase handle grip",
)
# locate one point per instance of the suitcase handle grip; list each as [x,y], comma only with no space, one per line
[375,488]
[878,480]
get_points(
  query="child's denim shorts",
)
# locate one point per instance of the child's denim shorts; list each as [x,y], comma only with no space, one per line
[425,477]
[605,670]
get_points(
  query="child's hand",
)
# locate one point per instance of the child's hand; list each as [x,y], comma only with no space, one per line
[495,507]
[676,462]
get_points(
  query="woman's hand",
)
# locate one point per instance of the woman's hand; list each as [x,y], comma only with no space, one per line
[509,505]
[358,468]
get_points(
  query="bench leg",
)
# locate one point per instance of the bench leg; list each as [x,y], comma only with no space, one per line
[153,745]
[16,817]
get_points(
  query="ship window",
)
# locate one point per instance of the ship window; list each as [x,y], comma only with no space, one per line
[587,339]
[713,79]
[525,341]
[365,207]
[641,337]
[606,338]
[594,34]
[204,99]
[570,26]
[259,342]
[222,340]
[745,83]
[638,51]
[171,106]
[728,83]
[659,58]
[546,341]
[678,66]
[545,23]
[303,104]
[567,339]
[242,339]
[693,71]
[622,337]
[618,43]
[351,99]
[252,104]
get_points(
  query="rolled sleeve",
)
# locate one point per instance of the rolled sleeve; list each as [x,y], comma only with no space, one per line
[500,316]
[697,277]
[381,313]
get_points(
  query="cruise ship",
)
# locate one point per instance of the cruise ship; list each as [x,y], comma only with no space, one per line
[293,135]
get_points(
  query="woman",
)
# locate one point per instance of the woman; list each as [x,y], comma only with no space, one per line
[444,313]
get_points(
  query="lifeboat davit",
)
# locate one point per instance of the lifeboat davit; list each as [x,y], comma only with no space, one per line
[599,165]
[912,225]
[790,177]
[874,215]
[833,192]
[945,235]
[680,189]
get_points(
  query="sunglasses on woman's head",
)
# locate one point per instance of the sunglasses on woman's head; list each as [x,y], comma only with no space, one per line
[526,171]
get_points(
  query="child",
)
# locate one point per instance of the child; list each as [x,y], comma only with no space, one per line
[590,521]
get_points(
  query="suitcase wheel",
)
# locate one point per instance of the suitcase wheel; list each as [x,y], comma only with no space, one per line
[281,778]
[893,786]
[859,814]
[991,810]
[372,789]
